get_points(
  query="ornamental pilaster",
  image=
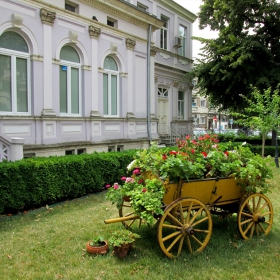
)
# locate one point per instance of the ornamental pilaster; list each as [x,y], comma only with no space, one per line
[130,43]
[94,32]
[47,17]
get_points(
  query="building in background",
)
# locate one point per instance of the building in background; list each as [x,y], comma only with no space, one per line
[92,75]
[205,116]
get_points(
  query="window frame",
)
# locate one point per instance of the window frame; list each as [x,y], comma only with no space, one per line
[194,99]
[164,32]
[70,65]
[13,56]
[182,49]
[74,5]
[181,104]
[111,73]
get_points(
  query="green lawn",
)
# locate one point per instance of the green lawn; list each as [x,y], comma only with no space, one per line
[50,244]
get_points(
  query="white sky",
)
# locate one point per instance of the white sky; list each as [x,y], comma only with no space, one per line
[193,6]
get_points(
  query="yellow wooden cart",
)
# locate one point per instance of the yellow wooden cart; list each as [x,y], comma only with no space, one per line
[187,220]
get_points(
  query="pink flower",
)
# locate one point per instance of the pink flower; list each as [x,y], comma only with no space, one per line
[116,186]
[144,190]
[123,178]
[136,171]
[108,186]
[188,137]
[194,142]
[129,180]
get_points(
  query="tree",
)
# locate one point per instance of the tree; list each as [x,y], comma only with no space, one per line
[261,112]
[246,52]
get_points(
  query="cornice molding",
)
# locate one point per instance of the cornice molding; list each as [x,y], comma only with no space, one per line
[153,50]
[126,12]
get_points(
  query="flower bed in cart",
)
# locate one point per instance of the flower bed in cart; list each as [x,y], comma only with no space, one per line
[191,160]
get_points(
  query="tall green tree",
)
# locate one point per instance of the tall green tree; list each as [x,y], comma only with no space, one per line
[261,112]
[246,51]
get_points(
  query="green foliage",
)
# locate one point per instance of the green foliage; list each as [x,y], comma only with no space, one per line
[97,241]
[238,57]
[35,182]
[122,236]
[262,112]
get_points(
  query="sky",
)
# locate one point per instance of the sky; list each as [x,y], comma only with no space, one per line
[193,6]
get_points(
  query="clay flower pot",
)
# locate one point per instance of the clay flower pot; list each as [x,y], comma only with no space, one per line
[122,251]
[102,249]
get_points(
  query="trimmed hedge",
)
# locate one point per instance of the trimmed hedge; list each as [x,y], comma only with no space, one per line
[35,182]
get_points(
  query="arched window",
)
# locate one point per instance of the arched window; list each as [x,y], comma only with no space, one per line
[110,87]
[14,74]
[70,93]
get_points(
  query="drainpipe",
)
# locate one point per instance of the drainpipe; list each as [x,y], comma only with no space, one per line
[148,83]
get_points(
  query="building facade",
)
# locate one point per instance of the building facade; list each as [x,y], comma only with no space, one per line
[93,75]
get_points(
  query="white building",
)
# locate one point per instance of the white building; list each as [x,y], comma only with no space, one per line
[92,75]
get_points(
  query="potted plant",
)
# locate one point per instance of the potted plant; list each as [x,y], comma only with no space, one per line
[121,240]
[97,246]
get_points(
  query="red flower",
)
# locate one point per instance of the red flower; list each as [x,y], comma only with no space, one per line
[193,151]
[173,153]
[188,137]
[164,156]
[226,153]
[144,190]
[204,154]
[140,181]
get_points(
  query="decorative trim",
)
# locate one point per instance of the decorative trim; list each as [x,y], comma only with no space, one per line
[123,74]
[17,20]
[47,17]
[184,62]
[153,50]
[48,112]
[95,114]
[73,36]
[94,32]
[130,115]
[37,57]
[130,43]
[175,83]
[56,61]
[164,55]
[86,67]
[114,48]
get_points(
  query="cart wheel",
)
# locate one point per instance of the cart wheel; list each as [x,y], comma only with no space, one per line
[125,211]
[185,219]
[255,216]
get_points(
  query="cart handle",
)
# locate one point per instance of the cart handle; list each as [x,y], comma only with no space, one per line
[122,219]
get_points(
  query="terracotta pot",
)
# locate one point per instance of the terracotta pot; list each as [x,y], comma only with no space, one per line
[122,251]
[102,249]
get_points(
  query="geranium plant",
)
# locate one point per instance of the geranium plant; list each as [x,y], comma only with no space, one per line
[122,236]
[191,160]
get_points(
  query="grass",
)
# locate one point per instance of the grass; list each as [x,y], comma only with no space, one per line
[50,244]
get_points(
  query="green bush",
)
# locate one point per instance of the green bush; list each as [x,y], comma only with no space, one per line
[35,182]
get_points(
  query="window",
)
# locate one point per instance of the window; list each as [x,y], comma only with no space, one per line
[164,32]
[70,69]
[71,6]
[142,7]
[162,92]
[14,74]
[110,87]
[203,103]
[112,22]
[81,151]
[181,105]
[69,152]
[202,120]
[193,102]
[182,35]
